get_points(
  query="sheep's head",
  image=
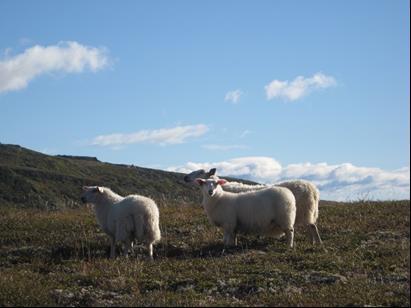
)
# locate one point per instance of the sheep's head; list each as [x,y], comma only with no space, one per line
[91,193]
[201,173]
[210,186]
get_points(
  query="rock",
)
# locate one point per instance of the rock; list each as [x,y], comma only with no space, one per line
[326,278]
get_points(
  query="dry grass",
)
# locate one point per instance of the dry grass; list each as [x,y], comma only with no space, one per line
[60,258]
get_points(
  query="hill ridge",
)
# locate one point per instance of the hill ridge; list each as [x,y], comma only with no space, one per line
[33,179]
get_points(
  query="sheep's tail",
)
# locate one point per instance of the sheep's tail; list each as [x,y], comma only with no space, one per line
[153,227]
[316,199]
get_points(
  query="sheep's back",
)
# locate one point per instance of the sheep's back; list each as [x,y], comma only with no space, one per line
[141,210]
[134,204]
[307,198]
[259,210]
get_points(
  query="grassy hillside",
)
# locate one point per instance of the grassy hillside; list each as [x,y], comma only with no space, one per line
[50,257]
[36,180]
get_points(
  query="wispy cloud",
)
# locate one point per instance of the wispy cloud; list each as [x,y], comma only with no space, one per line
[233,96]
[336,182]
[163,136]
[223,147]
[299,87]
[69,57]
[245,133]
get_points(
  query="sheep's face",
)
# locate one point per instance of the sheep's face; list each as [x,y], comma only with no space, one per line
[210,186]
[90,194]
[201,173]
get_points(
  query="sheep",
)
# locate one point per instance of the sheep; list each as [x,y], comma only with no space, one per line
[271,210]
[124,219]
[306,194]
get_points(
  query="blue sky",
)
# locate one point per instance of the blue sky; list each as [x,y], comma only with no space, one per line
[266,90]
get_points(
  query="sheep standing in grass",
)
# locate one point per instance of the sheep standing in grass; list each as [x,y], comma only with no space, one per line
[124,219]
[306,195]
[266,211]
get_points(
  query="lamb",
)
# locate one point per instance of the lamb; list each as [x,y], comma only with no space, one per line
[124,219]
[270,210]
[306,194]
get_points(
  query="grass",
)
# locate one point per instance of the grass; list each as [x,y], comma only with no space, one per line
[61,258]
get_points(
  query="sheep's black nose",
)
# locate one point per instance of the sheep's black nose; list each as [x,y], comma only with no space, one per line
[210,192]
[83,199]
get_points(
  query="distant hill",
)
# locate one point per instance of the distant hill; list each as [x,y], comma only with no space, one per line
[32,179]
[36,180]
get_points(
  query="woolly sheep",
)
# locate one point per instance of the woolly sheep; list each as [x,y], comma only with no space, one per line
[306,194]
[266,211]
[124,219]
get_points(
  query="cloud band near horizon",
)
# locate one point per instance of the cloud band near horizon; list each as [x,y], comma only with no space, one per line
[341,182]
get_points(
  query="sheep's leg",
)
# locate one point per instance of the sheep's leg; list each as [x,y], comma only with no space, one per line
[315,236]
[127,247]
[132,246]
[112,247]
[150,250]
[225,238]
[121,237]
[229,238]
[289,234]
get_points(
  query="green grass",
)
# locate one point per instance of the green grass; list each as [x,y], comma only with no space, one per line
[61,258]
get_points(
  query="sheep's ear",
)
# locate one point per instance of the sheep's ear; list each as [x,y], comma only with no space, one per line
[100,189]
[85,188]
[199,181]
[211,172]
[221,181]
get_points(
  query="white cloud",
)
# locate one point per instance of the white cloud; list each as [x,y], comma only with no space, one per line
[223,147]
[254,168]
[299,87]
[69,57]
[161,136]
[336,182]
[233,96]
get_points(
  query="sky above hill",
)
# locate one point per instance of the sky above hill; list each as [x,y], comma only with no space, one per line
[263,90]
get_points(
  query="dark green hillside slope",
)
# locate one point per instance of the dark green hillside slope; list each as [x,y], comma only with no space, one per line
[33,179]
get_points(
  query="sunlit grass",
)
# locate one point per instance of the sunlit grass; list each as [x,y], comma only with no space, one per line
[61,258]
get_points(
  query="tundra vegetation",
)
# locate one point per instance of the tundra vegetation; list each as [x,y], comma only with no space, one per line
[61,258]
[59,255]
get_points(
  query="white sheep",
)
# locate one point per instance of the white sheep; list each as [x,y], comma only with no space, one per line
[266,211]
[124,219]
[306,194]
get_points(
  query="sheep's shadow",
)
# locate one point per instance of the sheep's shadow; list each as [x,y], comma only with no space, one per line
[167,250]
[69,252]
[210,250]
